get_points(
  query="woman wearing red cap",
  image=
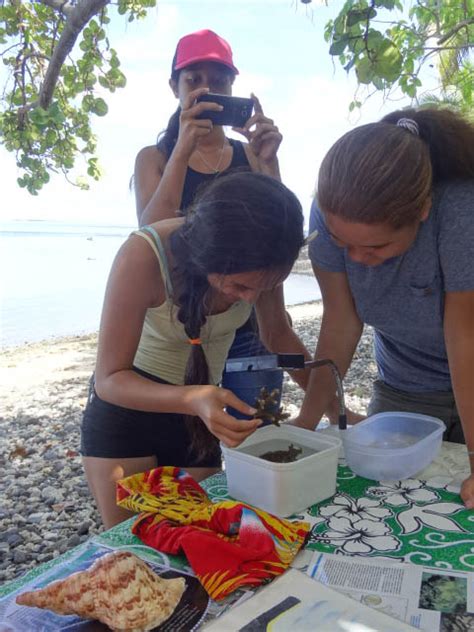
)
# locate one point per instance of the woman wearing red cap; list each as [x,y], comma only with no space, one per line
[191,151]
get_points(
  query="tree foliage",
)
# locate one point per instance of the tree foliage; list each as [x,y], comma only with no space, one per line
[56,54]
[59,62]
[390,45]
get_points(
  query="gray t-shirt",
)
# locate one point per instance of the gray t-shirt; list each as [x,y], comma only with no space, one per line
[403,298]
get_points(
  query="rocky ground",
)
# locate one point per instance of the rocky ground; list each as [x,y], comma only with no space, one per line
[45,506]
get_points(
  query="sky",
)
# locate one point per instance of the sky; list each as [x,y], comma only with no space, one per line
[282,57]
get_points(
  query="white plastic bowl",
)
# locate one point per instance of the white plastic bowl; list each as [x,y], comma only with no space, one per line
[282,489]
[392,445]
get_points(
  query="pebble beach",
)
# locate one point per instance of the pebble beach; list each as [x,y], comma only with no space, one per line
[46,506]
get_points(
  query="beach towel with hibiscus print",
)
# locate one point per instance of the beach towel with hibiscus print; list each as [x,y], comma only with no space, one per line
[228,544]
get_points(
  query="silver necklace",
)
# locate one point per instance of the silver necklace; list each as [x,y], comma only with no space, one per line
[217,166]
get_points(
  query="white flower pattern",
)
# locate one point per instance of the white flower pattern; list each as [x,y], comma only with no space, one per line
[448,483]
[400,493]
[355,508]
[432,516]
[359,537]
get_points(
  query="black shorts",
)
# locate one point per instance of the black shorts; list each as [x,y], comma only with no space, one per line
[113,432]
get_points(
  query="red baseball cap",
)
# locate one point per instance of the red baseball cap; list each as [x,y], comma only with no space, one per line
[203,45]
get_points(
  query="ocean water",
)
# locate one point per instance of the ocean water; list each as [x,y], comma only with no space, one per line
[53,278]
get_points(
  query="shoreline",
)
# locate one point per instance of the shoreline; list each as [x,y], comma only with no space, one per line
[296,294]
[47,506]
[57,311]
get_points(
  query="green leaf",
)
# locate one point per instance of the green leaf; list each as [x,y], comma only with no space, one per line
[387,4]
[100,107]
[55,114]
[375,39]
[104,82]
[38,116]
[51,137]
[117,78]
[388,61]
[353,105]
[410,90]
[93,169]
[114,60]
[88,103]
[364,70]
[338,46]
[355,16]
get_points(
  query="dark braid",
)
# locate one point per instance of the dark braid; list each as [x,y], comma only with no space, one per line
[192,314]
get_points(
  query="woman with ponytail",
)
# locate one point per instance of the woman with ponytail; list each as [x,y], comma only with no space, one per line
[395,250]
[177,292]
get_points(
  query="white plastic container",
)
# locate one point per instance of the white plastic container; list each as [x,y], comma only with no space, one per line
[282,489]
[392,445]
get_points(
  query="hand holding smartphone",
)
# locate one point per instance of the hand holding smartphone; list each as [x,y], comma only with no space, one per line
[236,110]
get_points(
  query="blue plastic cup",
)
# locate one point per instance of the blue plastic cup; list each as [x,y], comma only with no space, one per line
[247,385]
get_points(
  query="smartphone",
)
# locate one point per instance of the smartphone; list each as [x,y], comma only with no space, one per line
[236,112]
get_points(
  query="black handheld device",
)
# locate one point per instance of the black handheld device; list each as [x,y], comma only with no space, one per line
[236,112]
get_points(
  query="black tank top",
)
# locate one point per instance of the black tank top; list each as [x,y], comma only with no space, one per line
[195,180]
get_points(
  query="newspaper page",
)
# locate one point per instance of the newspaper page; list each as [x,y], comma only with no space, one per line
[295,602]
[429,599]
[193,610]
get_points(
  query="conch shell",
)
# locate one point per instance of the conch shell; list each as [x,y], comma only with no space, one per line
[119,589]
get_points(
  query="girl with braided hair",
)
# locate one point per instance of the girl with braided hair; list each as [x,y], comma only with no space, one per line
[178,291]
[395,250]
[192,151]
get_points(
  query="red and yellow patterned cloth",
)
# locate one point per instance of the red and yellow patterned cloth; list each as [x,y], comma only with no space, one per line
[228,544]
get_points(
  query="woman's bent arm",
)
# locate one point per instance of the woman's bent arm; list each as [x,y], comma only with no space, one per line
[134,285]
[459,336]
[340,333]
[276,332]
[158,184]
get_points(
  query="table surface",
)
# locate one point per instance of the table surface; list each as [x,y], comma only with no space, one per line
[421,521]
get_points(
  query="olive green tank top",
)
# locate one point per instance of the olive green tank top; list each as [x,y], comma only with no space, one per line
[164,347]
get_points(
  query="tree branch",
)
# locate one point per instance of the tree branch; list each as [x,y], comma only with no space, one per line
[455,29]
[75,22]
[440,49]
[4,52]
